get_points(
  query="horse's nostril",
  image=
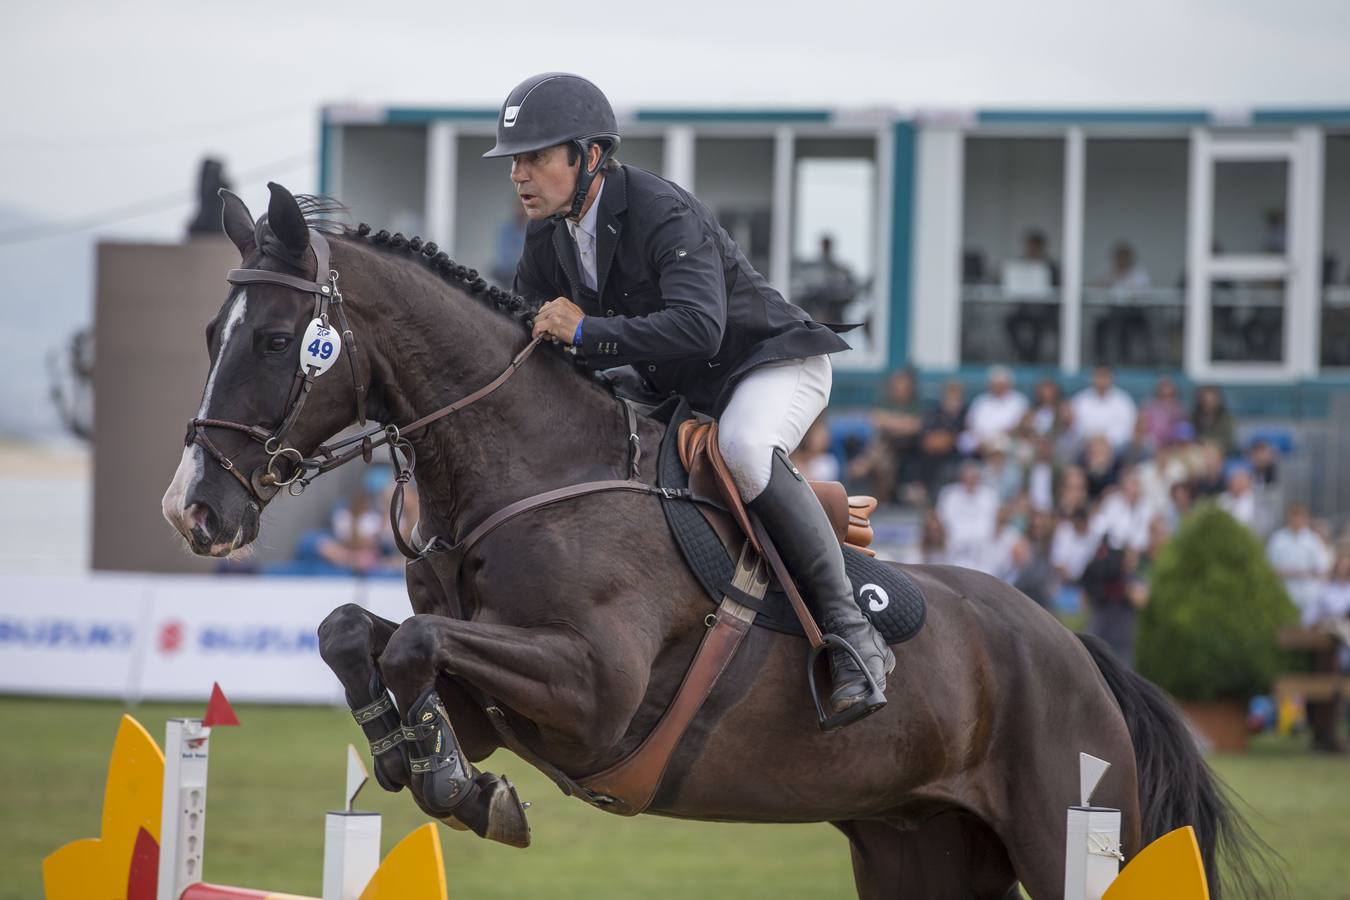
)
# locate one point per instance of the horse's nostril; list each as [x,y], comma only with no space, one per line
[198,518]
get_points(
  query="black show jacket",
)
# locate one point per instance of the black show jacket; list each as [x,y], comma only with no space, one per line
[676,298]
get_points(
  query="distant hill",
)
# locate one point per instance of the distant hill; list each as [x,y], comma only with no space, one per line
[46,294]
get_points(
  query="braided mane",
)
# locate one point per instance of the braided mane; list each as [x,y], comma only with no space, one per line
[318,211]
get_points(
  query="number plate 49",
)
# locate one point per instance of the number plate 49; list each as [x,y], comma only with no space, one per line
[320,347]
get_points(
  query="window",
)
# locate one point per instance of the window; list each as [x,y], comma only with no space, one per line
[1134,252]
[833,270]
[734,178]
[1010,254]
[1335,273]
[382,176]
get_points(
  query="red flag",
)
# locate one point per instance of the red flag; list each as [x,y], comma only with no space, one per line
[218,709]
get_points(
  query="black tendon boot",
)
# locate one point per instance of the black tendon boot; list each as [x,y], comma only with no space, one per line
[380,724]
[801,531]
[441,777]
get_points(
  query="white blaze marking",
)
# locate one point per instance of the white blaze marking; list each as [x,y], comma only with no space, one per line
[231,323]
[192,464]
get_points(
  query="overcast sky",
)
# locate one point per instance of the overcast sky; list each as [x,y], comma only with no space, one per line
[112,104]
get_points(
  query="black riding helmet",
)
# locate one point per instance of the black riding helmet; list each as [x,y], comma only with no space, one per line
[558,108]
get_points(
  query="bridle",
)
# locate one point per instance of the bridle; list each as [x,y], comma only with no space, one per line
[265,481]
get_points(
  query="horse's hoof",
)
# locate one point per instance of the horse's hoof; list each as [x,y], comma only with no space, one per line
[491,809]
[506,816]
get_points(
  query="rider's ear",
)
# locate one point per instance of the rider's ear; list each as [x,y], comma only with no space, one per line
[238,223]
[286,220]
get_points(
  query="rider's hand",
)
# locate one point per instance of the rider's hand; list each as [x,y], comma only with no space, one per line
[557,320]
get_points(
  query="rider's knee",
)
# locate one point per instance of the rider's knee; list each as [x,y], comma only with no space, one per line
[748,456]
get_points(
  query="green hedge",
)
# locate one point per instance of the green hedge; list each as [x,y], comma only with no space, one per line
[1208,631]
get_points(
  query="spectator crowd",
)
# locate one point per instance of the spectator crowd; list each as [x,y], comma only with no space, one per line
[1071,499]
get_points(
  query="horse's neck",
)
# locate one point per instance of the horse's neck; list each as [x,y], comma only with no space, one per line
[543,429]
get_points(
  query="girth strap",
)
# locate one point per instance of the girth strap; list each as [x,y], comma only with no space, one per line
[629,786]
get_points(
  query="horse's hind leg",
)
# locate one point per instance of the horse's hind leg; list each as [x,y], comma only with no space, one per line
[953,855]
[350,641]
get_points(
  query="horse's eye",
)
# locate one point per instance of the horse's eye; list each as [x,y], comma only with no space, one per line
[278,342]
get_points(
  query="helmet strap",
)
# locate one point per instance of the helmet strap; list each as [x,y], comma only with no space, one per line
[586,177]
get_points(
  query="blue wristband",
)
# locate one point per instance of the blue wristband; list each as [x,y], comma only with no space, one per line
[576,338]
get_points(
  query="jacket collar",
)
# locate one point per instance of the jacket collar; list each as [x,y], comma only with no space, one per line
[610,209]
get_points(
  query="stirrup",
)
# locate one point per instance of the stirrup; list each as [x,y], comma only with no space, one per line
[869,704]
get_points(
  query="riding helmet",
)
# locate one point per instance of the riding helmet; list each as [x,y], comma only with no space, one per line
[557,108]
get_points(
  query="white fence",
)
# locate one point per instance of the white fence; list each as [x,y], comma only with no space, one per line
[151,637]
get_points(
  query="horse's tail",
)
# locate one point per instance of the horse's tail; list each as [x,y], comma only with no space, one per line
[1177,788]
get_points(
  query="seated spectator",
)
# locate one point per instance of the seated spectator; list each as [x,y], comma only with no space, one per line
[1029,323]
[1073,546]
[1041,476]
[1124,516]
[1138,449]
[1046,416]
[1031,570]
[1124,323]
[1137,588]
[1101,466]
[998,555]
[813,456]
[1180,501]
[933,544]
[1301,558]
[1157,475]
[1072,496]
[1161,413]
[1104,409]
[891,461]
[1212,421]
[968,509]
[1239,500]
[1333,600]
[1001,471]
[994,414]
[1207,478]
[1263,462]
[1111,611]
[942,425]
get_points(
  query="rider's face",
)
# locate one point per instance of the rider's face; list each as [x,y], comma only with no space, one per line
[544,181]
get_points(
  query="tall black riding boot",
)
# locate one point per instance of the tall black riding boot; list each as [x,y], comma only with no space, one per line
[801,531]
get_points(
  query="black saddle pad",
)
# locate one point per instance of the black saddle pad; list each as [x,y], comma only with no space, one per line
[884,593]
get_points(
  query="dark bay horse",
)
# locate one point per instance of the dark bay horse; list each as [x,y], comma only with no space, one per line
[580,619]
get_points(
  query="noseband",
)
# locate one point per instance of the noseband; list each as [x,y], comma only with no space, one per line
[265,481]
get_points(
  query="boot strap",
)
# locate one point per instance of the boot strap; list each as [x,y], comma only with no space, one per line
[373,710]
[425,765]
[387,743]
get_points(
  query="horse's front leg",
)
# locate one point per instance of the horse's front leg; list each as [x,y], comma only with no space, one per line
[350,641]
[548,674]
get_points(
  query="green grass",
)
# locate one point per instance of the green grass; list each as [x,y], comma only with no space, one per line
[272,779]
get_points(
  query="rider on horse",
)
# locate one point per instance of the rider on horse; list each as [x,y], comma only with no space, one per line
[636,271]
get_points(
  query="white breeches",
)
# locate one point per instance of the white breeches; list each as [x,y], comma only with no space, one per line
[771,407]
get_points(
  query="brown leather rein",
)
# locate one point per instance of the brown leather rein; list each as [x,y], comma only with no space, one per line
[265,481]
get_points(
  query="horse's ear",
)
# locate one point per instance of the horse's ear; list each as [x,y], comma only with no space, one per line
[238,223]
[286,220]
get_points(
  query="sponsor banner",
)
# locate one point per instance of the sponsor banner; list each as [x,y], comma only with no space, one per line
[260,634]
[71,636]
[153,637]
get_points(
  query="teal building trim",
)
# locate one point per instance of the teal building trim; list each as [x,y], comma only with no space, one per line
[756,116]
[1092,117]
[423,115]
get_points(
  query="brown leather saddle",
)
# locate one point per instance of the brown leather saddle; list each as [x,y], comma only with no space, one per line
[709,477]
